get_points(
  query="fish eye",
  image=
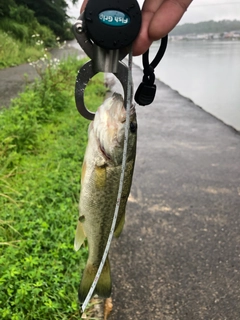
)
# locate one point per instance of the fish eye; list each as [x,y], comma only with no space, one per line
[133,127]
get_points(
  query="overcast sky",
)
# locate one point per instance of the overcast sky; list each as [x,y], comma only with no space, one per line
[199,10]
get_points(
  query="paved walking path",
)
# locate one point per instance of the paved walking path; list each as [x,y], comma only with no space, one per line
[13,80]
[178,257]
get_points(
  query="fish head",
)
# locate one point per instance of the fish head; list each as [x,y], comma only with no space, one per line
[109,130]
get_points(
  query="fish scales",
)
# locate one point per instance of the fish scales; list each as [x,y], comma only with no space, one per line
[101,172]
[98,202]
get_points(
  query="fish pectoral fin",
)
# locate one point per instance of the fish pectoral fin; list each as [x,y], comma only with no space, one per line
[119,226]
[104,285]
[79,236]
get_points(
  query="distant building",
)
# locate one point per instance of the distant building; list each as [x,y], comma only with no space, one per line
[232,35]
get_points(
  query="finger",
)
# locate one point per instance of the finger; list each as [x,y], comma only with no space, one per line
[83,6]
[142,43]
[166,18]
[151,5]
[159,17]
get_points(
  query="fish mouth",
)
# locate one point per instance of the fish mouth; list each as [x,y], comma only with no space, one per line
[117,144]
[118,97]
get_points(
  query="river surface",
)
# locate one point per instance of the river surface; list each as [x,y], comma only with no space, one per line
[208,72]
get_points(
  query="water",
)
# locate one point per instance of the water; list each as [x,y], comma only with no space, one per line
[208,72]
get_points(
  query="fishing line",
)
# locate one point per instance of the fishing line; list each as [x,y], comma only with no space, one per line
[124,160]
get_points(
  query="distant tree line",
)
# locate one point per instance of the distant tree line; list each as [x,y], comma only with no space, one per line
[207,27]
[51,13]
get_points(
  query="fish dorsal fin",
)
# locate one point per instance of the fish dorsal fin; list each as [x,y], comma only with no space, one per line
[79,236]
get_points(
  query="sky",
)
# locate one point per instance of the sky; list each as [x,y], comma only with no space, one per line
[199,10]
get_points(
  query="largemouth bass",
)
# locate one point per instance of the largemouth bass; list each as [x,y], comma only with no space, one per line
[101,171]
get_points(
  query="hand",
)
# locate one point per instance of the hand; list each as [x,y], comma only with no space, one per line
[159,17]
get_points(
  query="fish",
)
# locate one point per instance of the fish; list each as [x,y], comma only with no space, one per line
[101,170]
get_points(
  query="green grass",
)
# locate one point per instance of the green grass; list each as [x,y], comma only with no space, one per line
[42,144]
[14,52]
[22,38]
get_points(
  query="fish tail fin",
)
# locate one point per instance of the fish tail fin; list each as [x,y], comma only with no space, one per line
[104,285]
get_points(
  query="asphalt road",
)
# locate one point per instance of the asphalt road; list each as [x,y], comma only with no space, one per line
[178,257]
